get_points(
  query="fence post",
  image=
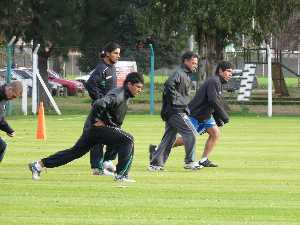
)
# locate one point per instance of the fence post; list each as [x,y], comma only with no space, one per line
[9,59]
[151,79]
[34,97]
[24,97]
[37,77]
[269,52]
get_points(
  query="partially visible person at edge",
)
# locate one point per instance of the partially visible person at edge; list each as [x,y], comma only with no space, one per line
[7,92]
[174,112]
[208,111]
[102,80]
[106,117]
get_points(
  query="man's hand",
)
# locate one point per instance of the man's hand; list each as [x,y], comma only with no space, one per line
[220,123]
[11,134]
[99,123]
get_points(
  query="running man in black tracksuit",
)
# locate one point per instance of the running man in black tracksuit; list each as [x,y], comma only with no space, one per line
[106,117]
[208,112]
[174,111]
[7,92]
[101,81]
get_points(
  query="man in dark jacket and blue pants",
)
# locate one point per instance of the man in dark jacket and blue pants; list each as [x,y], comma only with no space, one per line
[7,92]
[175,113]
[208,111]
[106,117]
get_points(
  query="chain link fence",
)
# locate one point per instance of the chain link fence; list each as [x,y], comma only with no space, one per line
[70,66]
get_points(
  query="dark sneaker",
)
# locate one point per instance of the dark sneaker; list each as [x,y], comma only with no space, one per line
[208,163]
[152,149]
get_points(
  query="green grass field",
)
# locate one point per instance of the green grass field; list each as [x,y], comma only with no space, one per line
[257,182]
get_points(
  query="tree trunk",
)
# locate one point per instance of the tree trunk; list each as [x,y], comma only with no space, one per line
[42,66]
[220,45]
[211,50]
[215,45]
[201,53]
[210,54]
[58,65]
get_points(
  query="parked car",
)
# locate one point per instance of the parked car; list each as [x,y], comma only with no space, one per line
[73,87]
[22,73]
[83,79]
[54,87]
[17,74]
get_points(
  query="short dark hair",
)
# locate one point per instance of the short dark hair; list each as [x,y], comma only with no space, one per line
[188,55]
[109,47]
[224,65]
[134,77]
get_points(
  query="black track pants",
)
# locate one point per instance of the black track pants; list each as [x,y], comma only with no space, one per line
[120,141]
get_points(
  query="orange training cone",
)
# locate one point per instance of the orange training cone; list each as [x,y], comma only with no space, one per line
[41,127]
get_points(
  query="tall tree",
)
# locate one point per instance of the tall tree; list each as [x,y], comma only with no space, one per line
[126,23]
[52,24]
[216,23]
[99,24]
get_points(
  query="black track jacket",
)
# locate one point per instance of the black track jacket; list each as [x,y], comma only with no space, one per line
[208,101]
[112,108]
[102,80]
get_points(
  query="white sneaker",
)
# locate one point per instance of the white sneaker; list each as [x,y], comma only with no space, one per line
[120,178]
[153,168]
[104,172]
[192,166]
[108,165]
[36,173]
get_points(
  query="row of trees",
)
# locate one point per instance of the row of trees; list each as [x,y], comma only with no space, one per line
[217,23]
[88,24]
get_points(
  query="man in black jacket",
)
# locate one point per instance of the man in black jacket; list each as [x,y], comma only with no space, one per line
[106,118]
[7,92]
[174,111]
[207,110]
[101,81]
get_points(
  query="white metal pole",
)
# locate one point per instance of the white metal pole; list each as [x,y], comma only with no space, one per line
[24,97]
[191,43]
[72,62]
[269,80]
[48,94]
[34,80]
[243,40]
[263,65]
[298,56]
[12,40]
[36,77]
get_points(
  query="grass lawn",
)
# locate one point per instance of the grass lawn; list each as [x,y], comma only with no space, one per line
[291,82]
[257,182]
